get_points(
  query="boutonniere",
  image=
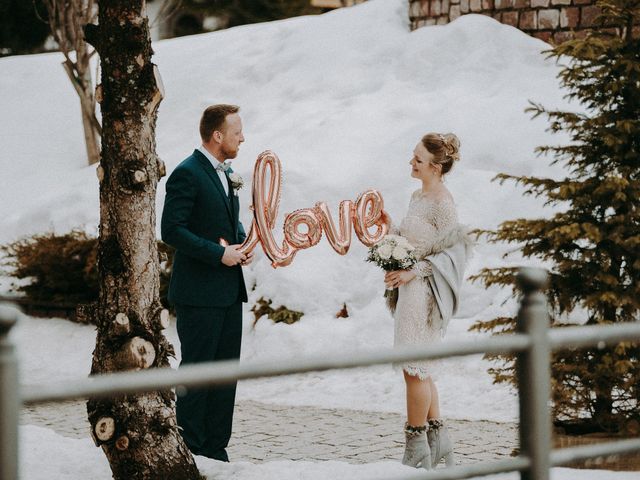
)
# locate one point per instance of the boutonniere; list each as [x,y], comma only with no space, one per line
[236,182]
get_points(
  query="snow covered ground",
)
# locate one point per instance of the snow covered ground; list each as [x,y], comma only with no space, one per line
[67,457]
[342,98]
[463,382]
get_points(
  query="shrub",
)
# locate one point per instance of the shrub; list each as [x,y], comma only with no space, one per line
[279,315]
[61,269]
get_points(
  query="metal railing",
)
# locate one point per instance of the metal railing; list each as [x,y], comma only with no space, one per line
[532,345]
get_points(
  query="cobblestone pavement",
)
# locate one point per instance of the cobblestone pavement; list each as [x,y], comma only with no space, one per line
[277,432]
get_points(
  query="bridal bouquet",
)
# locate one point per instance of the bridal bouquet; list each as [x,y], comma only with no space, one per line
[393,252]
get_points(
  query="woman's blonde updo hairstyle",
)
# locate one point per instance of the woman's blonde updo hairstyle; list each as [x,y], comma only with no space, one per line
[445,149]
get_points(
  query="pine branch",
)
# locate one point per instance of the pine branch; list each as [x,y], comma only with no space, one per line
[593,244]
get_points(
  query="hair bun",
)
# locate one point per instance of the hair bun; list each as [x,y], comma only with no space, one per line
[451,146]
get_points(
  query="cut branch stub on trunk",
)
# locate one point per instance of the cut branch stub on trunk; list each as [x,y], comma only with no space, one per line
[121,324]
[122,443]
[162,168]
[135,354]
[139,177]
[104,429]
[164,318]
[158,95]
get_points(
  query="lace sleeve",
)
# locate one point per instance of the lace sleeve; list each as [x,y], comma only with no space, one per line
[444,216]
[422,269]
[441,219]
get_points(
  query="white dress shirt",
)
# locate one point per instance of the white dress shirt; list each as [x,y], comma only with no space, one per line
[215,162]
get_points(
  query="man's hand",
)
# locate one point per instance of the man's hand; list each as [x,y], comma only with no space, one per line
[232,256]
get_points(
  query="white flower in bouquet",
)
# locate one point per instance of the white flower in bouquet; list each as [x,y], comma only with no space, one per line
[399,253]
[392,239]
[393,252]
[385,251]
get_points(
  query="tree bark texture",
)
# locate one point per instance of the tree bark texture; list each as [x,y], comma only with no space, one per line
[138,433]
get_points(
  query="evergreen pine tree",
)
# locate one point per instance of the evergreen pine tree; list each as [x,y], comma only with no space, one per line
[593,244]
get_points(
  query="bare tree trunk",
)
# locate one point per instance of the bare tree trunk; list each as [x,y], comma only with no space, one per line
[90,123]
[92,129]
[138,433]
[91,135]
[67,18]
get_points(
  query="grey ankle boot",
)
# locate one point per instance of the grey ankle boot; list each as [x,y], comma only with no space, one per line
[440,443]
[416,450]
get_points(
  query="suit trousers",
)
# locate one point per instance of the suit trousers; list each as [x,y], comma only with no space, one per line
[206,414]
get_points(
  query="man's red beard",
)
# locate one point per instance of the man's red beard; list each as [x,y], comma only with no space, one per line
[229,154]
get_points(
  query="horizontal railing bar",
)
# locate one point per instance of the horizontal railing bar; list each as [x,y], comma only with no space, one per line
[568,455]
[221,373]
[586,336]
[474,470]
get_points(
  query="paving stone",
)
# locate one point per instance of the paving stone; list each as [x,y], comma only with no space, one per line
[275,432]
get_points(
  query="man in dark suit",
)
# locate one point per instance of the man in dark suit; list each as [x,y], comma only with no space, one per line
[207,286]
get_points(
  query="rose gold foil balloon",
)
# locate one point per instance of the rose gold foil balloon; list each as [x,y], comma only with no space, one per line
[265,205]
[253,236]
[339,238]
[251,241]
[292,223]
[369,212]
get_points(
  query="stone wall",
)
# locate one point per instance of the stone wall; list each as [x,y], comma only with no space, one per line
[550,20]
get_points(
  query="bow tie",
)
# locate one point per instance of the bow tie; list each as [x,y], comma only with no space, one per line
[223,167]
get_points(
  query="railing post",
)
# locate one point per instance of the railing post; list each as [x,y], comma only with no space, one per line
[9,396]
[534,374]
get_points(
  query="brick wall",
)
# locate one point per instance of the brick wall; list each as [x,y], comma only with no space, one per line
[550,20]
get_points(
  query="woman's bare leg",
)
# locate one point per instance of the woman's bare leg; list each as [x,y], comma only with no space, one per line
[434,405]
[419,395]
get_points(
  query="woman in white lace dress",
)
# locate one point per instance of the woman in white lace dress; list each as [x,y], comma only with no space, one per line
[431,217]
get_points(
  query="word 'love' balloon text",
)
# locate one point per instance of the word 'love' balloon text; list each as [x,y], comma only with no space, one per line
[366,212]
